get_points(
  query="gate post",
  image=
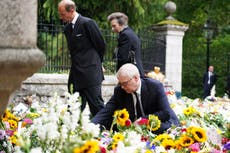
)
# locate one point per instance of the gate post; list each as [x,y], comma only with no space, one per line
[19,55]
[171,31]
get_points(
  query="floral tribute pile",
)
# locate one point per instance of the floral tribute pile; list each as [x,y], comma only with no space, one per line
[59,126]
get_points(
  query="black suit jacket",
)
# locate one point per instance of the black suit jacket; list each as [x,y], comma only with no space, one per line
[208,86]
[128,40]
[154,101]
[87,48]
[213,79]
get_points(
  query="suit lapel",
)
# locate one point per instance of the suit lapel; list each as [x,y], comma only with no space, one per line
[144,94]
[77,23]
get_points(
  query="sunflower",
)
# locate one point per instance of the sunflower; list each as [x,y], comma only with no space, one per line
[13,124]
[178,144]
[121,116]
[114,145]
[154,123]
[14,139]
[9,116]
[91,146]
[190,111]
[118,137]
[199,134]
[168,144]
[148,151]
[185,141]
[76,150]
[162,137]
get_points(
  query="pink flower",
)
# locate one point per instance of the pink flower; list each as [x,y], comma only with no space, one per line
[7,125]
[103,150]
[195,147]
[142,121]
[10,132]
[215,151]
[28,121]
[128,123]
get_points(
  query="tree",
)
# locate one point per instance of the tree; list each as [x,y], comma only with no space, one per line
[141,13]
[144,13]
[195,13]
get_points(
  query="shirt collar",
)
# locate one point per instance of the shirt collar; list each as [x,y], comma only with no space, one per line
[75,18]
[139,89]
[125,27]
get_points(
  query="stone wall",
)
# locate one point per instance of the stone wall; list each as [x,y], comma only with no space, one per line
[43,86]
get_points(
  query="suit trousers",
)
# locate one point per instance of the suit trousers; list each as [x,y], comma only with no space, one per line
[207,90]
[92,95]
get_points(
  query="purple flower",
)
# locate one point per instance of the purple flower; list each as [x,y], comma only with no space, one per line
[148,145]
[2,135]
[9,132]
[227,146]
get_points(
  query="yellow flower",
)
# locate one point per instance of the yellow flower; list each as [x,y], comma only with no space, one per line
[199,134]
[168,144]
[148,151]
[91,146]
[162,137]
[114,145]
[6,115]
[76,150]
[118,137]
[33,115]
[154,123]
[9,116]
[121,116]
[13,124]
[178,145]
[219,131]
[13,139]
[186,141]
[190,111]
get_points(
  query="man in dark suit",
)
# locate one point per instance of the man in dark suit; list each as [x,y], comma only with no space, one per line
[129,45]
[87,48]
[150,93]
[209,80]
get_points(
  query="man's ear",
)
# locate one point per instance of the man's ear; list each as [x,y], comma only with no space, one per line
[136,77]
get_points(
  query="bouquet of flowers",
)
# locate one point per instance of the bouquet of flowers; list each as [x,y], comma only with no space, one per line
[59,126]
[130,137]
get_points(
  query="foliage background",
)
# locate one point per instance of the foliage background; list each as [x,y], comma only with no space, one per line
[144,13]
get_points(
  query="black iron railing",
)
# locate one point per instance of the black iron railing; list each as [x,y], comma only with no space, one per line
[52,42]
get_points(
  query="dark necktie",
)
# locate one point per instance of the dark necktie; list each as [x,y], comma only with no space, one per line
[139,108]
[71,27]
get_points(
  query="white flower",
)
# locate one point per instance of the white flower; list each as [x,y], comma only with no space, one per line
[91,128]
[121,148]
[36,150]
[133,138]
[64,132]
[160,149]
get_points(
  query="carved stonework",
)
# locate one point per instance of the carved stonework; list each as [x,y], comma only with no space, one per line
[19,56]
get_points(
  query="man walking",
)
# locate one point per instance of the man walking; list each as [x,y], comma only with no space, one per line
[209,80]
[87,48]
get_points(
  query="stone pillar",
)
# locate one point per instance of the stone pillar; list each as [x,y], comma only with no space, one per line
[19,55]
[171,32]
